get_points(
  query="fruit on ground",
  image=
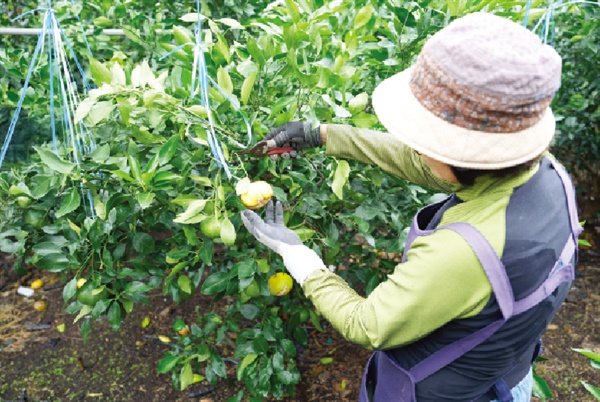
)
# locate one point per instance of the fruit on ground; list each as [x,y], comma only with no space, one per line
[38,283]
[85,294]
[254,195]
[280,284]
[40,305]
[184,331]
[211,227]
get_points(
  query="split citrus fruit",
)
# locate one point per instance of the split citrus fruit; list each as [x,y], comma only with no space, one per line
[280,284]
[254,195]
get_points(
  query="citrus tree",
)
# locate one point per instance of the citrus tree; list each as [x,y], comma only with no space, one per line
[152,208]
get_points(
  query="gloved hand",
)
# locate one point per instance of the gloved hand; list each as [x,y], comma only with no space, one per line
[300,260]
[298,135]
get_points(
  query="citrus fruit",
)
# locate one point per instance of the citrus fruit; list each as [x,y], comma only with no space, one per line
[280,284]
[211,227]
[253,290]
[85,294]
[184,331]
[38,283]
[35,218]
[254,195]
[40,305]
[23,201]
[81,282]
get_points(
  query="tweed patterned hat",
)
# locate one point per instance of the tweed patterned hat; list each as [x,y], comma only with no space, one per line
[477,97]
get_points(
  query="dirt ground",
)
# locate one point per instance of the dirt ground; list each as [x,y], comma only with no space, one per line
[46,365]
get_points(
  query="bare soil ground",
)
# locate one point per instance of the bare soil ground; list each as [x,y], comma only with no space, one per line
[47,365]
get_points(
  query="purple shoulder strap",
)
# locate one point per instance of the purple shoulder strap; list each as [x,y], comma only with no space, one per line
[496,273]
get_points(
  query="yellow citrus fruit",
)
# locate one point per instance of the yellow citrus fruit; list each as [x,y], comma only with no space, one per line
[40,305]
[254,195]
[211,227]
[280,284]
[81,282]
[38,283]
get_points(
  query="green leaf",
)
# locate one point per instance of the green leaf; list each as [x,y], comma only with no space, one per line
[145,199]
[247,87]
[134,167]
[54,162]
[224,81]
[293,10]
[231,23]
[304,233]
[143,243]
[588,353]
[69,203]
[184,284]
[168,150]
[84,107]
[181,35]
[125,109]
[186,377]
[215,283]
[85,310]
[326,360]
[114,315]
[136,287]
[363,16]
[193,214]
[249,311]
[100,307]
[342,172]
[179,325]
[53,262]
[246,268]
[100,73]
[358,103]
[70,289]
[540,388]
[595,391]
[227,232]
[100,111]
[133,35]
[100,154]
[118,75]
[168,363]
[248,360]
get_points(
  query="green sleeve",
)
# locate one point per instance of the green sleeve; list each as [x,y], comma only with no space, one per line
[442,280]
[383,150]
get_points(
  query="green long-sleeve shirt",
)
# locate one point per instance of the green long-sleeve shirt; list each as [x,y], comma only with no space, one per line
[442,280]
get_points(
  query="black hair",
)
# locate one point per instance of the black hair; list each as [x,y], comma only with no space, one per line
[467,176]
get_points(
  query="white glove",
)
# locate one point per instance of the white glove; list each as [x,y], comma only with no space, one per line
[299,260]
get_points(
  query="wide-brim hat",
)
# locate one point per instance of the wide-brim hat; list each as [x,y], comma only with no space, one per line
[477,97]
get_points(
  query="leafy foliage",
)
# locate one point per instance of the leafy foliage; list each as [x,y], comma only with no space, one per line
[150,208]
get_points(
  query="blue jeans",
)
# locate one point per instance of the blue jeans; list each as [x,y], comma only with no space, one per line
[522,391]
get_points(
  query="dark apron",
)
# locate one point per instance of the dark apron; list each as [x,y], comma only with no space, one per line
[384,380]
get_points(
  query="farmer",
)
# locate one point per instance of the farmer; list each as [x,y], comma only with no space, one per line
[483,271]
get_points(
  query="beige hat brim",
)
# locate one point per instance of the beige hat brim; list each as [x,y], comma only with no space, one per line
[404,117]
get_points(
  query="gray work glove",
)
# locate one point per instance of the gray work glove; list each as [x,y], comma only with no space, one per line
[298,135]
[299,260]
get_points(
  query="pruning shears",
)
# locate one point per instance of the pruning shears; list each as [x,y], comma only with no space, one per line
[269,148]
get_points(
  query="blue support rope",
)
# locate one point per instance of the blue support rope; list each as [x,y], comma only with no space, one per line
[76,136]
[200,85]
